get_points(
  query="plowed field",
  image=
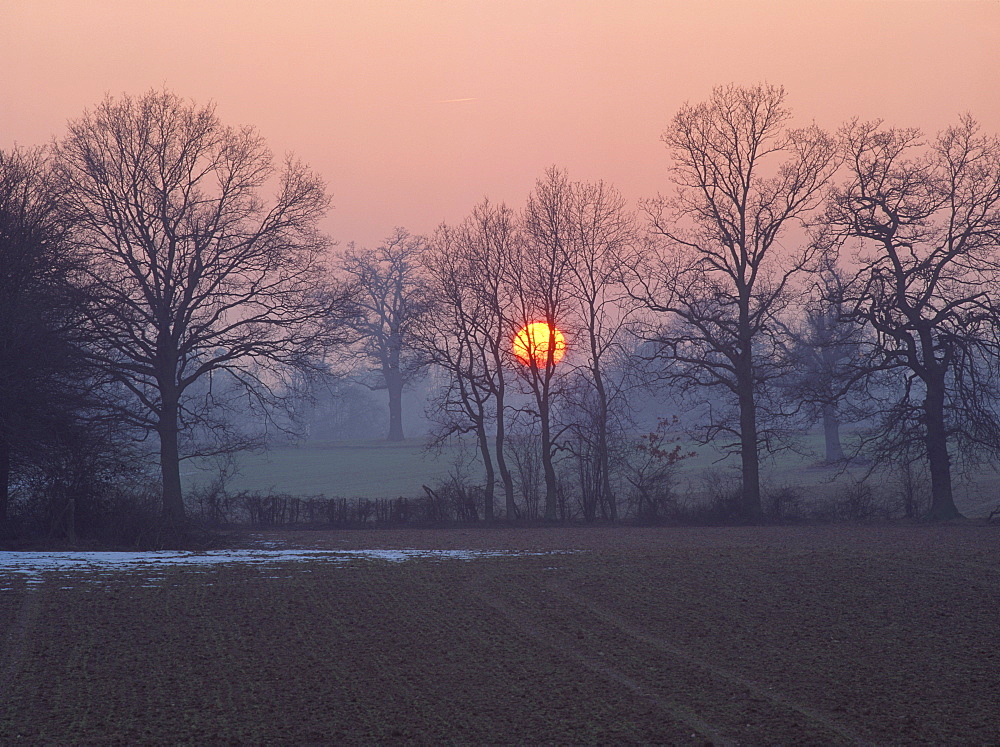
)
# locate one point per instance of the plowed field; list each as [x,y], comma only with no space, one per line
[774,635]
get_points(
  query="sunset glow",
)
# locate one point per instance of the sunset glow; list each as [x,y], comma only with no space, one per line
[464,99]
[531,344]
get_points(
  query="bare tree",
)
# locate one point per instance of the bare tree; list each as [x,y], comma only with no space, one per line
[539,277]
[43,377]
[651,470]
[192,273]
[928,219]
[743,180]
[390,299]
[469,334]
[826,347]
[601,240]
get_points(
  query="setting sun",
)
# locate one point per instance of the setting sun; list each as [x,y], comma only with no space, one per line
[531,344]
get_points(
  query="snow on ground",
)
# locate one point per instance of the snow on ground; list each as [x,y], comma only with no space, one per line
[34,565]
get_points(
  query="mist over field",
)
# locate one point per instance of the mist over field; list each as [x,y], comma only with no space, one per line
[459,173]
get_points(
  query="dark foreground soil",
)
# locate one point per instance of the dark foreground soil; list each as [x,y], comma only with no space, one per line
[758,636]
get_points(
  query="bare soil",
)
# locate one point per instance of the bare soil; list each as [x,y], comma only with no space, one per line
[731,635]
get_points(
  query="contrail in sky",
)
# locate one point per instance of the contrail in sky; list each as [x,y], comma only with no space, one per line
[454,101]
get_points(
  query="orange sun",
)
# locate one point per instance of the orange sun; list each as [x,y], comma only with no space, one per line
[531,344]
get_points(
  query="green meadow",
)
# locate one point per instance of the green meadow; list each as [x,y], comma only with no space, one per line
[350,469]
[380,469]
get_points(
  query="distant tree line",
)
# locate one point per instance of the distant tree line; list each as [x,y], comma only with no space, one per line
[154,302]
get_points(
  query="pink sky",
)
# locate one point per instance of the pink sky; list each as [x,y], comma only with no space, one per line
[356,88]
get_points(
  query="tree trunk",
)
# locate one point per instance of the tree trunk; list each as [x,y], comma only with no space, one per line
[750,488]
[170,467]
[751,508]
[484,450]
[606,489]
[942,501]
[551,485]
[71,521]
[604,483]
[394,385]
[588,490]
[510,507]
[831,434]
[4,483]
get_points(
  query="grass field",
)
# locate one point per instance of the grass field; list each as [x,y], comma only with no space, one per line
[379,469]
[350,469]
[730,635]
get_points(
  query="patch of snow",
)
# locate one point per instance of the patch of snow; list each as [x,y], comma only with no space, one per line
[34,565]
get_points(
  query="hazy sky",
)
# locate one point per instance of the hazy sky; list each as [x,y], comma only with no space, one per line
[414,110]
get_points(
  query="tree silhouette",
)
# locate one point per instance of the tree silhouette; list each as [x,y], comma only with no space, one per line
[827,353]
[928,217]
[743,179]
[191,272]
[539,277]
[390,298]
[600,242]
[469,335]
[44,382]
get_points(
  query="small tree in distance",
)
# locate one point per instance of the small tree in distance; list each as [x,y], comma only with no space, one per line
[826,350]
[652,468]
[390,298]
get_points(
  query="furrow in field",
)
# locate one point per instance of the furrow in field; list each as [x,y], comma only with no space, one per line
[757,691]
[540,634]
